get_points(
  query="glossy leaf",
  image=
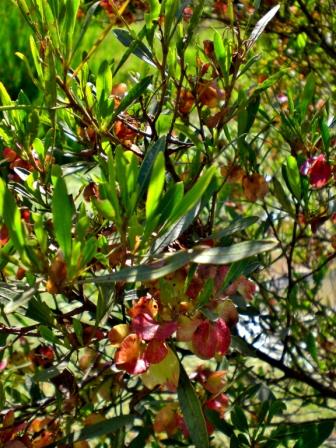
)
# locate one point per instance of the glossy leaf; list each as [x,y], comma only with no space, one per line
[192,411]
[99,429]
[62,216]
[261,25]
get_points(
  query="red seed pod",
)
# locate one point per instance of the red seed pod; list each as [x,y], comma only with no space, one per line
[42,356]
[9,154]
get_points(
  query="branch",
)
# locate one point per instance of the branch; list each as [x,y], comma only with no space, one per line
[288,371]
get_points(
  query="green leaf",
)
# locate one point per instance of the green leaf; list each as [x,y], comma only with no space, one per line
[170,12]
[104,81]
[204,296]
[71,12]
[99,429]
[248,115]
[48,334]
[133,94]
[311,346]
[50,23]
[237,225]
[325,134]
[147,165]
[242,267]
[104,207]
[62,216]
[105,303]
[192,197]
[215,255]
[90,13]
[170,201]
[36,59]
[192,411]
[12,217]
[19,300]
[49,373]
[2,396]
[135,45]
[307,434]
[236,252]
[238,419]
[261,25]
[293,177]
[223,52]
[89,251]
[282,197]
[176,230]
[50,81]
[145,272]
[78,329]
[220,424]
[40,312]
[155,186]
[307,95]
[270,81]
[314,435]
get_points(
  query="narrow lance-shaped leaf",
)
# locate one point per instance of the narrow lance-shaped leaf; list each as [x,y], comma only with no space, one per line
[192,411]
[85,24]
[223,50]
[62,216]
[99,429]
[36,59]
[69,25]
[19,300]
[236,252]
[172,234]
[133,94]
[155,186]
[293,176]
[282,197]
[104,81]
[134,45]
[12,217]
[237,225]
[160,268]
[307,95]
[147,164]
[193,196]
[261,25]
[50,23]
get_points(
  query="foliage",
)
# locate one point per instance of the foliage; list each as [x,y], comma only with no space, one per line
[167,220]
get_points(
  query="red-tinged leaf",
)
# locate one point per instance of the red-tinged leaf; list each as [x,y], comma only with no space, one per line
[4,235]
[246,287]
[227,310]
[318,170]
[165,374]
[204,340]
[9,154]
[216,382]
[223,337]
[165,330]
[118,333]
[145,326]
[186,328]
[155,352]
[167,419]
[130,355]
[219,403]
[144,305]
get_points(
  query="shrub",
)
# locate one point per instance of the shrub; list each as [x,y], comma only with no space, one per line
[167,213]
